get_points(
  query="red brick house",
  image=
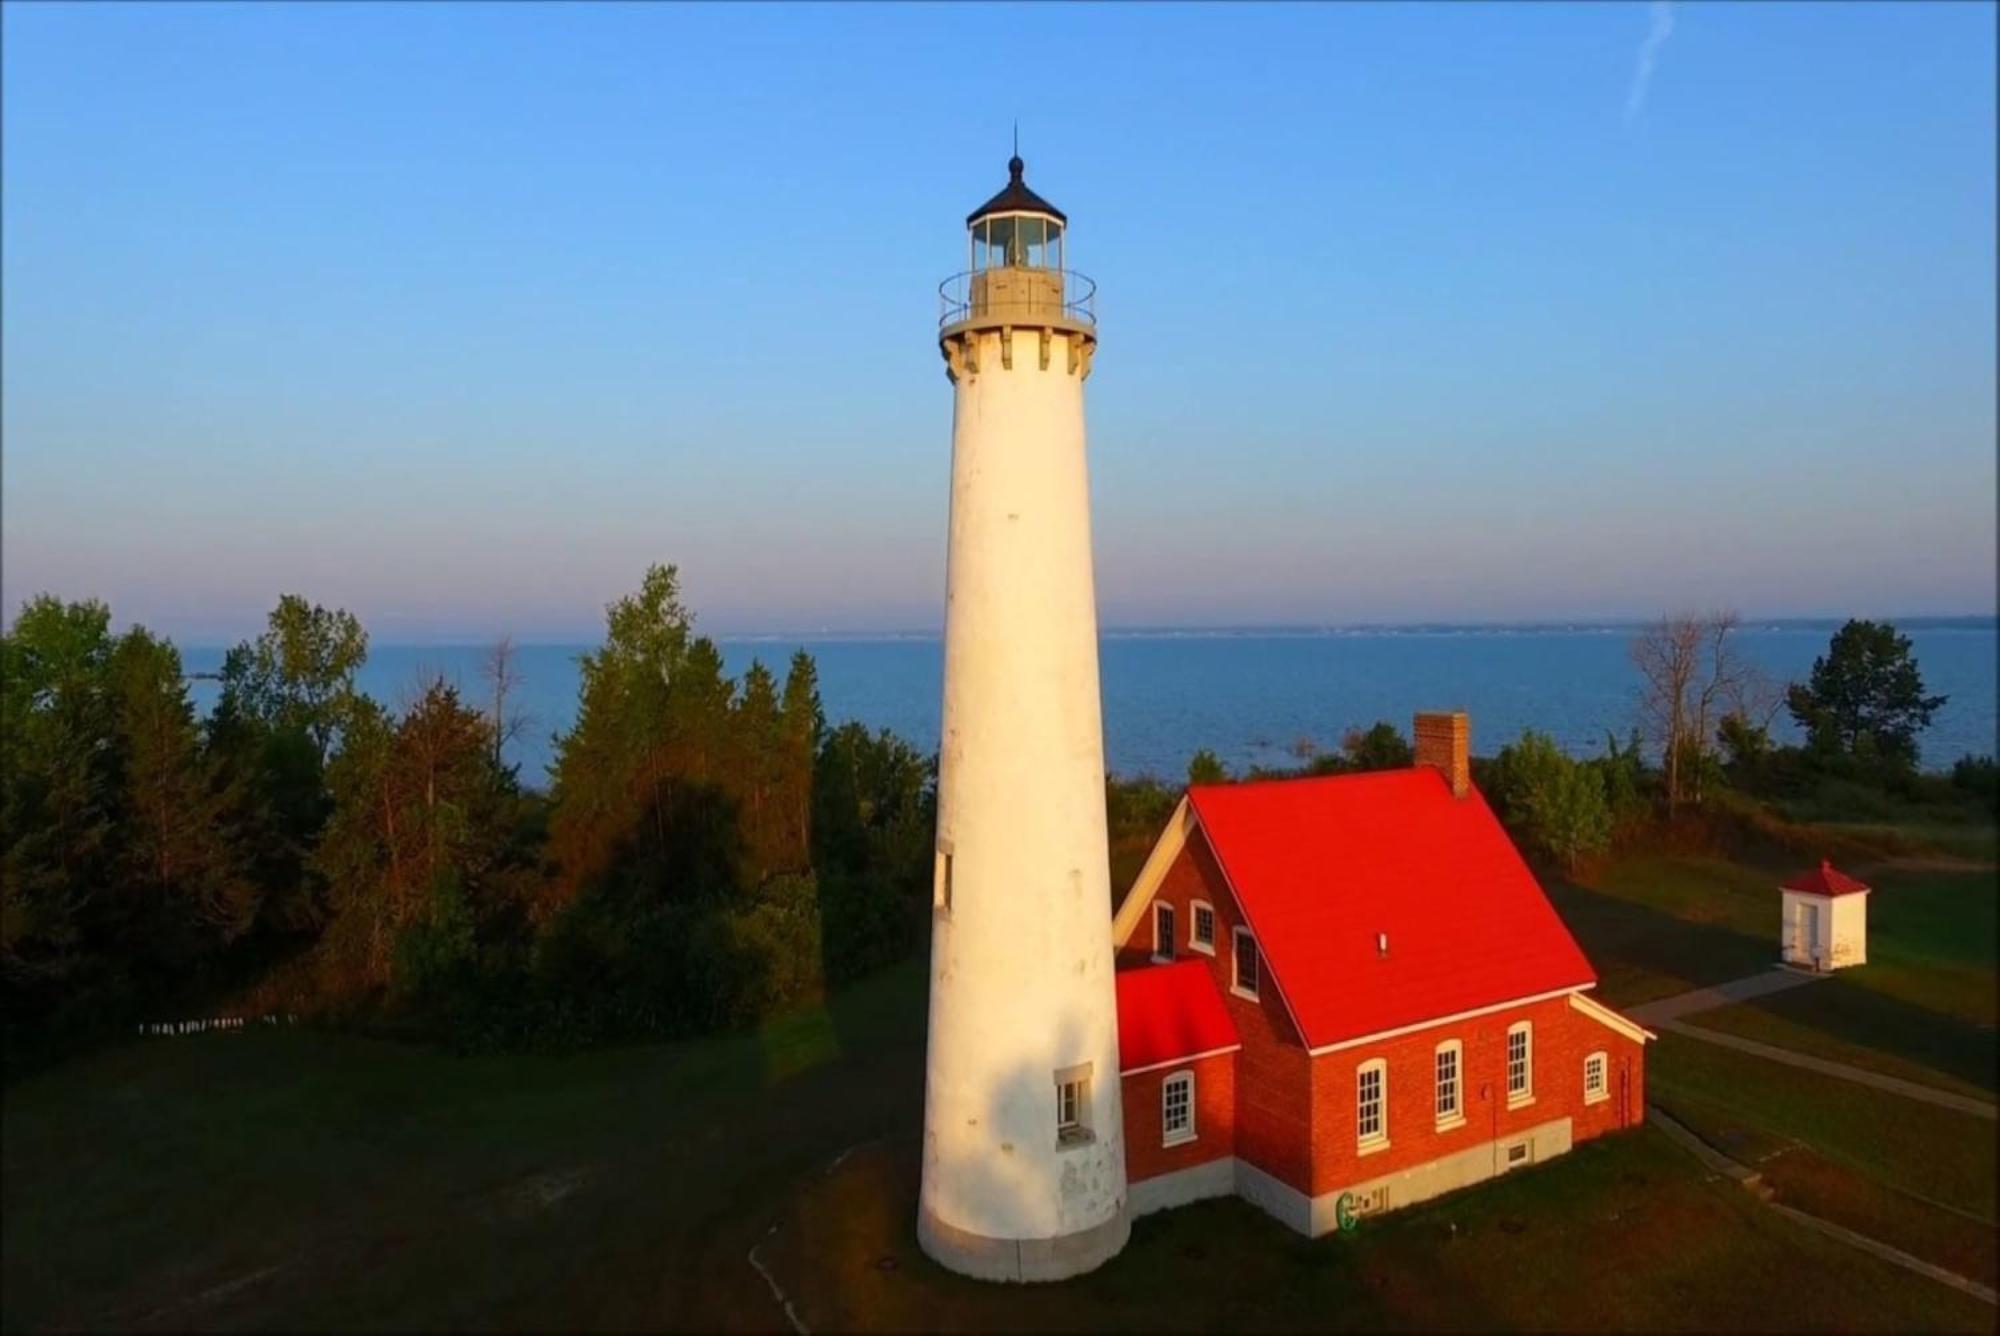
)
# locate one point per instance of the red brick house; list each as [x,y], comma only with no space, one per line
[1346,994]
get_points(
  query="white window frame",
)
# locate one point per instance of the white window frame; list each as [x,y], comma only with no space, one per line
[1602,1061]
[1367,1142]
[1238,935]
[1170,1136]
[1525,1092]
[1196,908]
[1163,942]
[1453,1116]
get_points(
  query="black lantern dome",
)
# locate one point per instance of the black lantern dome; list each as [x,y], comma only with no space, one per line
[1016,198]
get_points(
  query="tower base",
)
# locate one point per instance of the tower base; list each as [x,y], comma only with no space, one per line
[1057,1258]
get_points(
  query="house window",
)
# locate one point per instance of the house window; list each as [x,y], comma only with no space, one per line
[1520,1063]
[1449,1055]
[1073,1105]
[1177,1109]
[1594,1068]
[1201,928]
[1163,932]
[1243,968]
[1371,1088]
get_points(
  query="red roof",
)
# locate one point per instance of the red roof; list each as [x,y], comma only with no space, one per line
[1322,866]
[1826,879]
[1170,1012]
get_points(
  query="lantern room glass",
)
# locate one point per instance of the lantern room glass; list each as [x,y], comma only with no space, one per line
[1029,241]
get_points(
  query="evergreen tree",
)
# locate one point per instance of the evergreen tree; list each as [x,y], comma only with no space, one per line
[1865,700]
[1205,767]
[59,851]
[802,726]
[177,847]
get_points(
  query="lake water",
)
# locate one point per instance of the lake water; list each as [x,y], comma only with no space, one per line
[1249,696]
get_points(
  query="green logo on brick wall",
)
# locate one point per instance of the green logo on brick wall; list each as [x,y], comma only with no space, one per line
[1343,1213]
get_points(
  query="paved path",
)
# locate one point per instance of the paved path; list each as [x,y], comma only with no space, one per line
[1666,1013]
[1774,980]
[1944,1099]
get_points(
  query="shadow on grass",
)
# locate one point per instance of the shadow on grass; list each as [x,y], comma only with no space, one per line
[1844,1011]
[1642,953]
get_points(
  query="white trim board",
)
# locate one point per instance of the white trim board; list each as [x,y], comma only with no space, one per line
[1573,990]
[1175,1062]
[1610,1019]
[1165,850]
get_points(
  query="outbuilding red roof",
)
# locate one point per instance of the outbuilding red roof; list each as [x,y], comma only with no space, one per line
[1170,1012]
[1324,868]
[1826,879]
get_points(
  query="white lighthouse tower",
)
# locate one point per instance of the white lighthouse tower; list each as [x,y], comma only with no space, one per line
[1024,1157]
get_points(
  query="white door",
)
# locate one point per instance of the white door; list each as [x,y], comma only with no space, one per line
[1814,942]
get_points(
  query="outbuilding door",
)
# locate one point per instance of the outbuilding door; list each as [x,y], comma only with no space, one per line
[1806,931]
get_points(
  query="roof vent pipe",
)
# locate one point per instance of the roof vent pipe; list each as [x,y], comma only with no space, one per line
[1382,945]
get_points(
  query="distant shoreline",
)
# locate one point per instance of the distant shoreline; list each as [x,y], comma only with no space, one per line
[1299,631]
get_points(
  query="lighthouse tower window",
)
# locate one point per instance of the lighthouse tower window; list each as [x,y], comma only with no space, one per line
[1073,1105]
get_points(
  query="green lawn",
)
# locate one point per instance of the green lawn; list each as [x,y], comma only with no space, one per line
[303,1179]
[1623,1233]
[1933,938]
[296,1178]
[1843,1021]
[1657,925]
[1939,1153]
[1758,1111]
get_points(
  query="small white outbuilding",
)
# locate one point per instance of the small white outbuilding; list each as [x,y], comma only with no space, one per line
[1825,920]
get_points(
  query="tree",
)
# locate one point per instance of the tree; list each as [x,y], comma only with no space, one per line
[176,844]
[1205,767]
[503,679]
[1555,803]
[299,674]
[1865,698]
[1691,674]
[57,845]
[287,700]
[802,727]
[1381,747]
[760,781]
[422,828]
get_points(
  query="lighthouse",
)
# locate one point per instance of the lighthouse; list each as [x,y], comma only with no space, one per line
[1023,1154]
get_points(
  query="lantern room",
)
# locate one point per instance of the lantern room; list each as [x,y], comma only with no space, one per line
[1016,228]
[1015,266]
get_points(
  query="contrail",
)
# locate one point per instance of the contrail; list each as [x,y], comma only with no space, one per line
[1649,51]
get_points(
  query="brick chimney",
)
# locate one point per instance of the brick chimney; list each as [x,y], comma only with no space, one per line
[1445,741]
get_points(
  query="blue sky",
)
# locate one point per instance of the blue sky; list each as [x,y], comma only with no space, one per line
[459,316]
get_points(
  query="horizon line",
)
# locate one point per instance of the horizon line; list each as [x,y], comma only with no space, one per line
[1135,630]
